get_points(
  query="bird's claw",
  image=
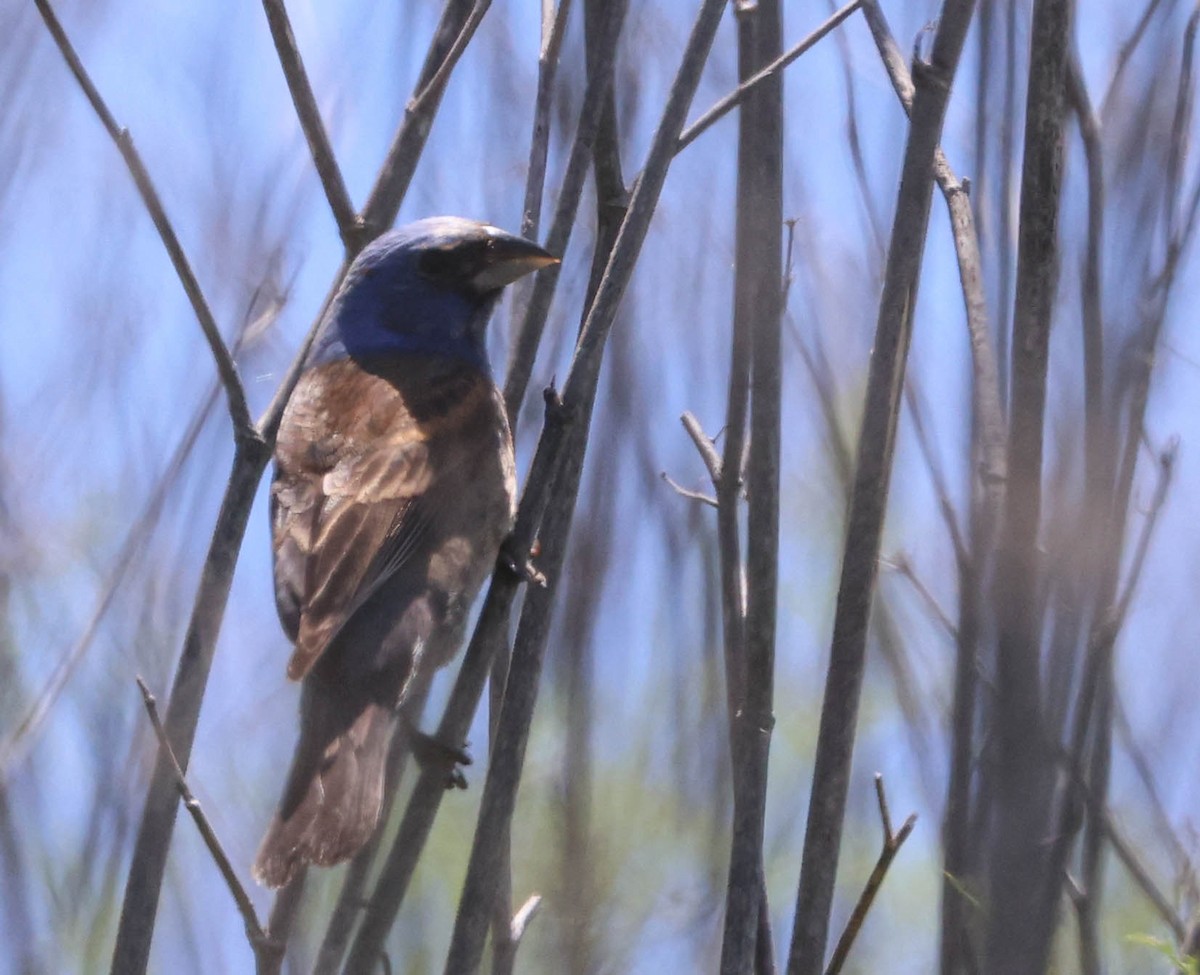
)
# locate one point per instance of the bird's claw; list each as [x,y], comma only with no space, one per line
[521,567]
[432,753]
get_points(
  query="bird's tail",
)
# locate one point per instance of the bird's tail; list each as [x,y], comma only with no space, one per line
[334,790]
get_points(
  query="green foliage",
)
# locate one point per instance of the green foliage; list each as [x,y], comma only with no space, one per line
[1185,965]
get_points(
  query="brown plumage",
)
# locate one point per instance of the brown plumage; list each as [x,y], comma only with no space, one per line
[393,491]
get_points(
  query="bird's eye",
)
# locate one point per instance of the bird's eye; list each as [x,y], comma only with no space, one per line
[437,265]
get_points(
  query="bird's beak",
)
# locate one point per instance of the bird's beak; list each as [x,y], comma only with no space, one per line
[508,258]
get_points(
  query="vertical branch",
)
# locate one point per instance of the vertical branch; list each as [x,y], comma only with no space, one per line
[499,794]
[750,656]
[553,30]
[987,494]
[1018,933]
[1098,458]
[601,55]
[1094,704]
[843,686]
[504,946]
[1004,234]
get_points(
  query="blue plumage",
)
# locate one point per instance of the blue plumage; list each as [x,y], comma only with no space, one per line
[418,290]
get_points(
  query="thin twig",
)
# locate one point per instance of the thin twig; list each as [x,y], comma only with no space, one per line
[140,905]
[1164,828]
[901,564]
[1166,471]
[1121,846]
[239,412]
[688,493]
[1089,943]
[258,938]
[1125,53]
[704,445]
[1106,625]
[437,84]
[554,21]
[936,475]
[1097,451]
[1141,876]
[454,32]
[738,95]
[313,127]
[891,846]
[875,222]
[522,919]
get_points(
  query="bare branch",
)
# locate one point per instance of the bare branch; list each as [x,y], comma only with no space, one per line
[1097,455]
[936,475]
[154,836]
[1165,829]
[902,565]
[309,115]
[565,445]
[239,412]
[739,94]
[1125,53]
[688,493]
[521,920]
[553,30]
[705,447]
[1124,850]
[259,941]
[758,298]
[986,389]
[868,501]
[1019,925]
[891,846]
[601,57]
[142,887]
[432,92]
[454,32]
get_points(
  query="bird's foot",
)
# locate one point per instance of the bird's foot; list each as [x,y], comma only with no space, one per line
[521,565]
[432,753]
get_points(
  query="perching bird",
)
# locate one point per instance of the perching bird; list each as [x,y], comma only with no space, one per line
[394,488]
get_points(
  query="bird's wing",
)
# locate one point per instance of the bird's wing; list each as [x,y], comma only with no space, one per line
[354,496]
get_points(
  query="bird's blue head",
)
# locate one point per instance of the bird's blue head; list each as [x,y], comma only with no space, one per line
[427,288]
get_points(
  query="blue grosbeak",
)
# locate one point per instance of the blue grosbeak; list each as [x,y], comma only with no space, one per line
[394,489]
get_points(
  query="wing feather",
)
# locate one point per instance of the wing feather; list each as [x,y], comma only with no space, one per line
[360,475]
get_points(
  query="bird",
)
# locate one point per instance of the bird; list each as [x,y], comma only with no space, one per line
[393,491]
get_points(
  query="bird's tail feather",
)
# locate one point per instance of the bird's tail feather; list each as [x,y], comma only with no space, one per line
[333,795]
